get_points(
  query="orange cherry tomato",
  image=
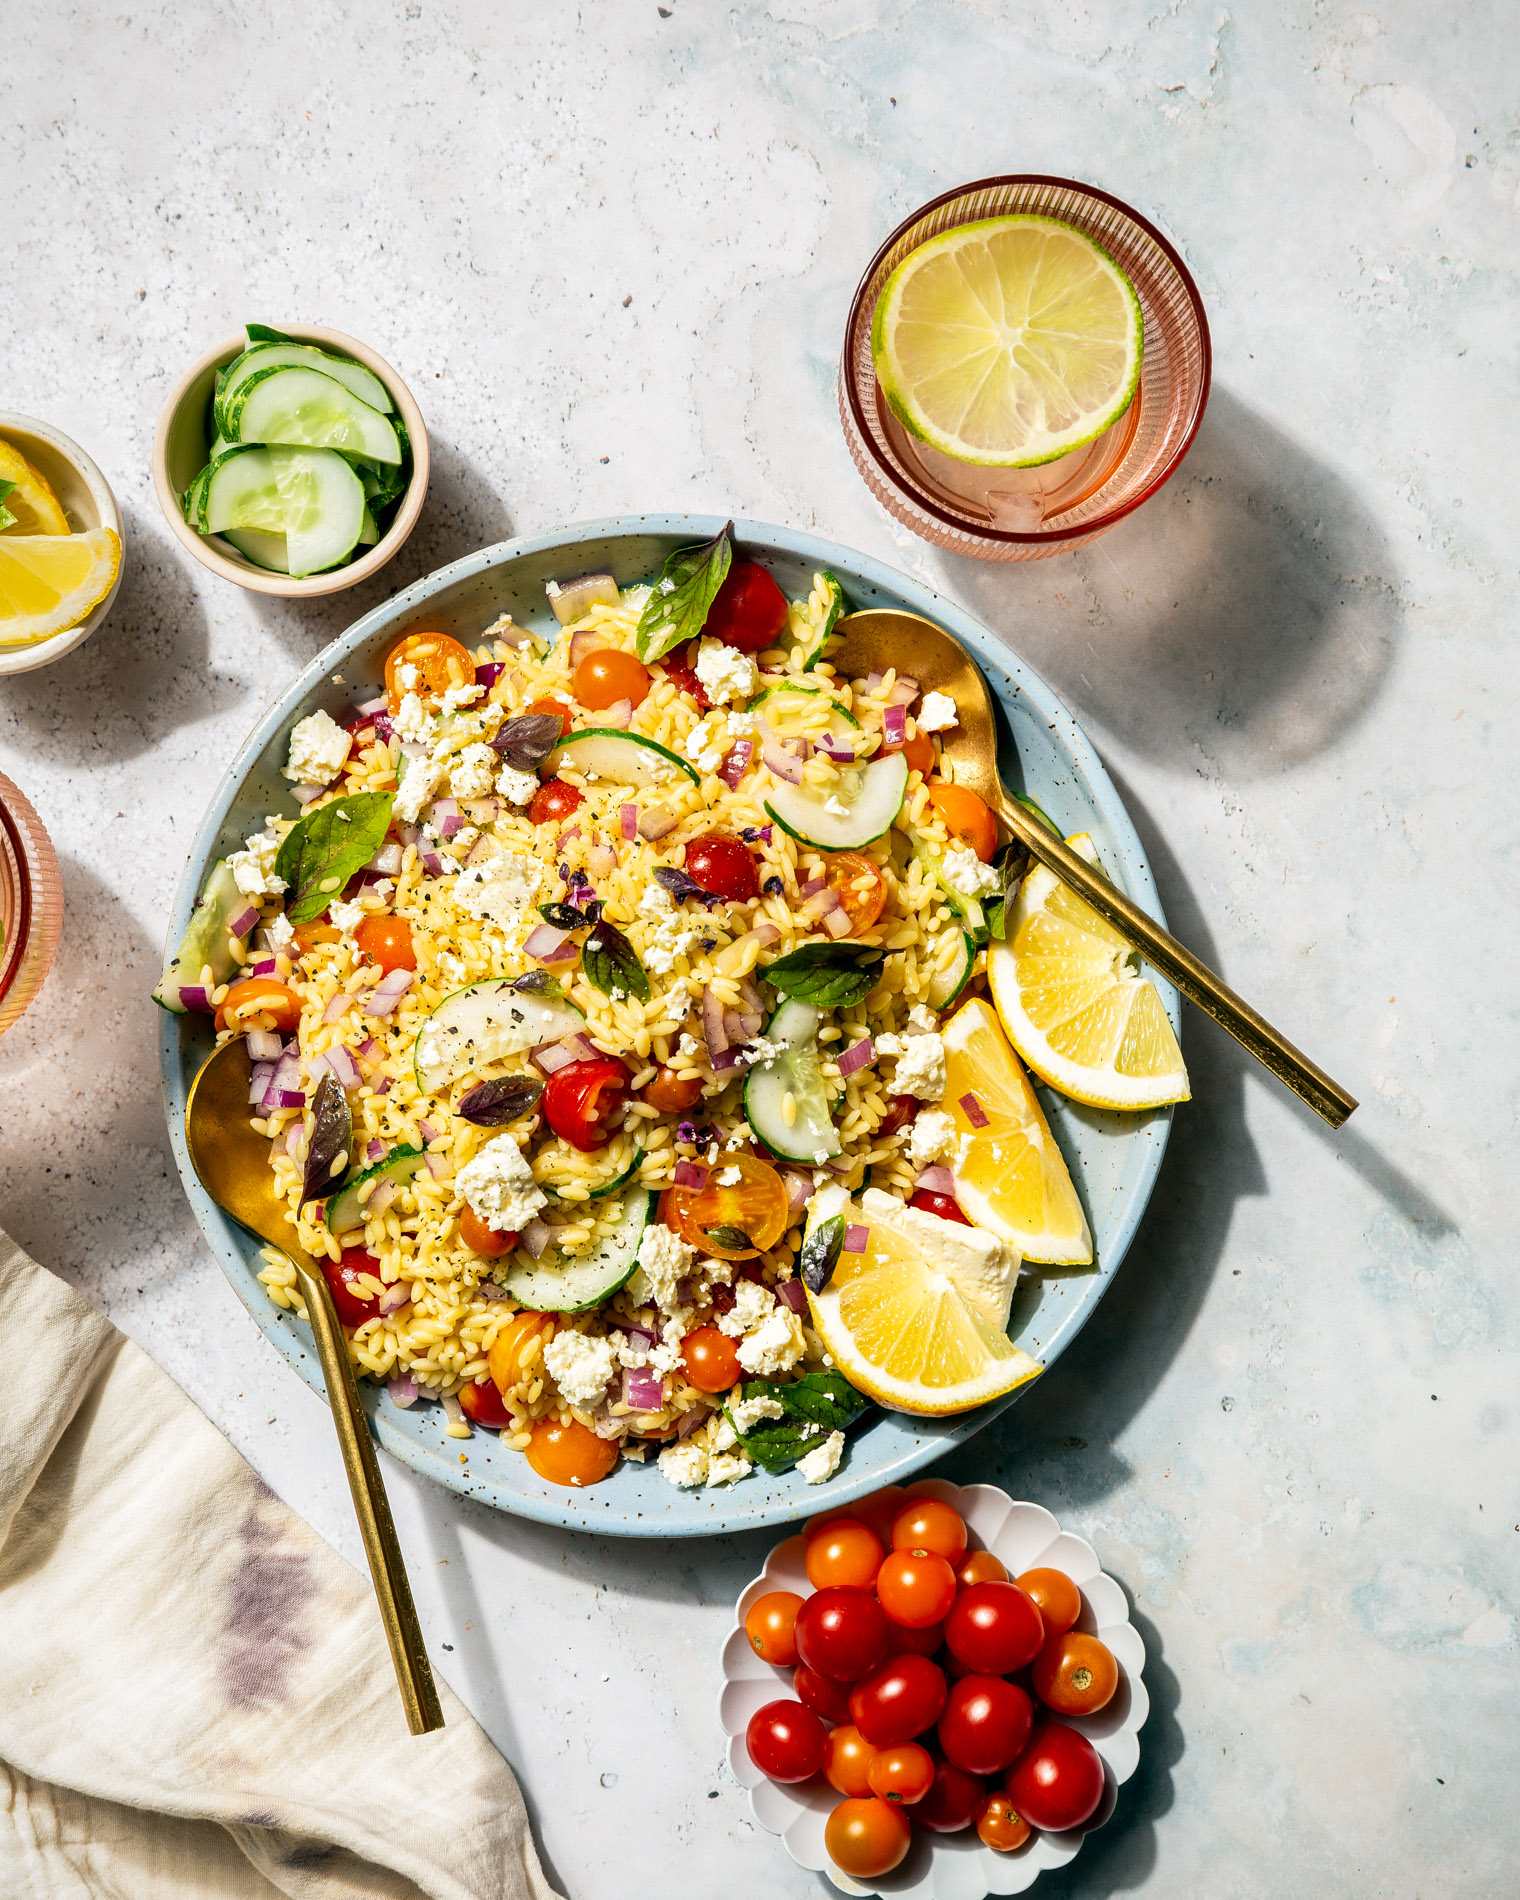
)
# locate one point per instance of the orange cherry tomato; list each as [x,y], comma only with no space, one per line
[844,1552]
[669,1094]
[480,1237]
[919,752]
[308,936]
[710,1359]
[567,718]
[1000,1825]
[867,1838]
[915,1587]
[259,1002]
[481,1401]
[879,1509]
[608,675]
[862,888]
[903,1774]
[426,664]
[755,1205]
[1075,1674]
[771,1626]
[505,1359]
[926,1524]
[570,1454]
[980,1566]
[847,1760]
[387,941]
[966,818]
[1057,1598]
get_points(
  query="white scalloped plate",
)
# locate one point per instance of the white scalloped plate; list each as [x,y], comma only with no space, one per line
[945,1866]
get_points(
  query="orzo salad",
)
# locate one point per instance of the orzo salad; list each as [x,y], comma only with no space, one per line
[616,1018]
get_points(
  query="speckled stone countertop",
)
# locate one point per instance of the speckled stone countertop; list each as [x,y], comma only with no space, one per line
[611,249]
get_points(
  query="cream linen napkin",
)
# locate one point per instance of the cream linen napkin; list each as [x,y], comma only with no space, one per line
[196,1699]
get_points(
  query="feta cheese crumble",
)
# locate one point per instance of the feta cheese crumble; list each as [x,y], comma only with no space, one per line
[704,745]
[252,868]
[937,712]
[967,874]
[685,1465]
[418,783]
[345,918]
[413,723]
[473,771]
[664,1261]
[774,1346]
[748,1413]
[498,890]
[820,1464]
[580,1366]
[458,696]
[516,787]
[318,750]
[931,1137]
[752,1303]
[499,1185]
[921,1068]
[835,809]
[726,673]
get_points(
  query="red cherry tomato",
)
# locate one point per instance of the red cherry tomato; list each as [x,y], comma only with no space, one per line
[915,1588]
[608,675]
[386,941]
[831,1700]
[904,1774]
[710,1359]
[723,865]
[928,1524]
[566,719]
[1058,1780]
[844,1551]
[354,1305]
[985,1724]
[584,1101]
[847,1760]
[901,1110]
[749,611]
[899,1700]
[994,1628]
[865,1838]
[954,1800]
[553,801]
[942,1205]
[771,1626]
[786,1741]
[925,1642]
[482,1402]
[842,1634]
[680,669]
[1057,1598]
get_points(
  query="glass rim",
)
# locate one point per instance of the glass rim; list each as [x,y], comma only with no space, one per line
[1085,530]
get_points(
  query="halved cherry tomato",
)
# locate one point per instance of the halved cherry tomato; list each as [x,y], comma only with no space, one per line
[555,799]
[749,611]
[259,1002]
[942,1206]
[480,1237]
[669,1094]
[867,1837]
[723,865]
[507,1348]
[901,1110]
[710,1360]
[386,941]
[570,1454]
[844,1551]
[966,818]
[584,1101]
[847,1760]
[862,888]
[903,1774]
[771,1626]
[756,1206]
[481,1401]
[354,1305]
[680,669]
[608,675]
[1075,1674]
[919,752]
[930,1524]
[1057,1598]
[308,936]
[980,1566]
[1000,1825]
[915,1587]
[566,717]
[426,664]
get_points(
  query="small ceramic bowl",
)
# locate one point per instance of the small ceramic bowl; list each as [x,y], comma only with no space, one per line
[85,497]
[180,447]
[31,901]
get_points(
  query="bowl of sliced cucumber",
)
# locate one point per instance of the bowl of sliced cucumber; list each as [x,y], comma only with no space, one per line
[292,462]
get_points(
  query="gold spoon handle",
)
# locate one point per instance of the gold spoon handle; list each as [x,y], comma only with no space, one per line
[1177,963]
[414,1673]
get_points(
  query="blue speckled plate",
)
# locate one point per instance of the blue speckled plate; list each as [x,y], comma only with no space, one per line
[1114,1159]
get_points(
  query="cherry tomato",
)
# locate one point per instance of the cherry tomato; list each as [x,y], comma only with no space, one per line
[954,1800]
[898,1700]
[942,1206]
[865,1838]
[901,1111]
[507,1348]
[842,1550]
[1058,1780]
[354,1305]
[862,888]
[723,865]
[669,1094]
[755,1205]
[481,1401]
[386,941]
[919,752]
[966,818]
[570,1454]
[843,1635]
[1075,1674]
[929,1524]
[980,1566]
[985,1724]
[480,1237]
[608,675]
[426,664]
[915,1588]
[1057,1598]
[786,1741]
[584,1101]
[771,1626]
[1000,1825]
[927,1641]
[847,1760]
[881,1507]
[554,800]
[994,1627]
[308,936]
[259,1002]
[903,1774]
[566,717]
[831,1700]
[710,1360]
[680,669]
[749,611]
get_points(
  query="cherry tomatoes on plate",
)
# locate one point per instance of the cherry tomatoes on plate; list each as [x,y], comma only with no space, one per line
[480,1237]
[386,941]
[786,1741]
[847,1760]
[668,1094]
[570,1454]
[259,1002]
[915,1588]
[942,1206]
[862,888]
[505,1359]
[985,1724]
[554,801]
[1000,1825]
[426,664]
[749,610]
[558,707]
[843,1635]
[1075,1674]
[829,1699]
[608,675]
[723,865]
[354,1304]
[710,1217]
[865,1838]
[771,1626]
[994,1628]
[1057,1598]
[980,1566]
[903,1774]
[842,1550]
[481,1401]
[584,1101]
[881,1507]
[710,1360]
[928,1524]
[927,1641]
[966,818]
[1057,1782]
[954,1800]
[898,1700]
[680,669]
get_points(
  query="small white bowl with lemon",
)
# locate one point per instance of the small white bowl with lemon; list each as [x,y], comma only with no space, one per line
[60,544]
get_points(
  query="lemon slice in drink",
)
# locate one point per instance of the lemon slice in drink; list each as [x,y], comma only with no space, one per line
[1008,342]
[31,500]
[49,582]
[1075,1007]
[1010,1176]
[918,1318]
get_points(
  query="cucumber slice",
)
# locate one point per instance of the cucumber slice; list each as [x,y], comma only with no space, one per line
[621,758]
[952,976]
[816,618]
[304,408]
[1039,812]
[569,1283]
[619,1180]
[482,1024]
[798,1073]
[870,797]
[264,550]
[369,534]
[323,504]
[785,707]
[968,909]
[241,491]
[205,940]
[345,1210]
[260,357]
[194,497]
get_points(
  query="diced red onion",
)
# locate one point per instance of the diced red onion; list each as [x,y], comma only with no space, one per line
[380,1200]
[737,763]
[366,709]
[692,1421]
[820,905]
[387,860]
[791,1293]
[894,726]
[873,684]
[857,1057]
[550,1058]
[264,1045]
[408,834]
[194,996]
[293,1136]
[833,747]
[642,1389]
[342,1002]
[975,1113]
[304,794]
[545,942]
[617,714]
[785,763]
[712,1024]
[654,823]
[284,1086]
[374,1150]
[483,810]
[855,1237]
[245,920]
[489,1290]
[762,934]
[565,836]
[432,863]
[904,691]
[480,849]
[799,1191]
[266,966]
[258,1082]
[488,674]
[535,1238]
[629,814]
[724,1062]
[366,1048]
[394,1297]
[588,640]
[837,924]
[936,1180]
[439,1166]
[427,1131]
[641,1339]
[444,816]
[601,860]
[343,1067]
[388,992]
[689,1175]
[453,1411]
[814,885]
[383,1086]
[402,1390]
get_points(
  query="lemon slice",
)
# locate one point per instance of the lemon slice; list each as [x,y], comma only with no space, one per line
[1008,342]
[918,1319]
[1010,1176]
[1074,1005]
[49,582]
[31,501]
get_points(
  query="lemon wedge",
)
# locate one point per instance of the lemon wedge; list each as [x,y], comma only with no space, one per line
[1010,1176]
[49,582]
[1075,1007]
[31,501]
[918,1318]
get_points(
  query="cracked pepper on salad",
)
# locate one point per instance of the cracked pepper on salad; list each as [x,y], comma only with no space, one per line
[615,1018]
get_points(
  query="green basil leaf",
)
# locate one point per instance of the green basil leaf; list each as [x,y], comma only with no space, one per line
[327,847]
[330,1149]
[827,975]
[679,601]
[7,519]
[610,963]
[812,1407]
[820,1253]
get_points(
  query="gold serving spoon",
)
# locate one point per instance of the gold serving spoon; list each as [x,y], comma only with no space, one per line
[881,637]
[232,1160]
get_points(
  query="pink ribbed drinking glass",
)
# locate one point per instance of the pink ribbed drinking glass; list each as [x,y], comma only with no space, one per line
[31,903]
